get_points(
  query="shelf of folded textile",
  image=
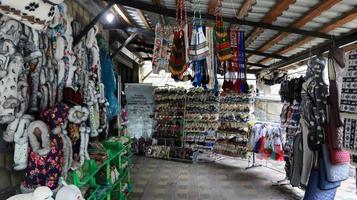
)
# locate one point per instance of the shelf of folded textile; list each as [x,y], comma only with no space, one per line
[234,146]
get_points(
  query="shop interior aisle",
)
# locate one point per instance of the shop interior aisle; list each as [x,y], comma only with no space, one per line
[155,179]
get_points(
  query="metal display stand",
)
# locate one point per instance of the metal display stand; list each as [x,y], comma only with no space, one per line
[253,164]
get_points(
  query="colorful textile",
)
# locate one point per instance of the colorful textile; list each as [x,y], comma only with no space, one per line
[45,170]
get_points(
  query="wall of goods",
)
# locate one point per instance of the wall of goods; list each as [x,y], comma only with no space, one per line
[56,102]
[317,124]
[202,117]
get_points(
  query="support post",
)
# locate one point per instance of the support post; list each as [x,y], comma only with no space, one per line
[127,41]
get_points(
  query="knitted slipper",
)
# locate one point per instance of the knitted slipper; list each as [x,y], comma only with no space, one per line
[82,148]
[8,135]
[41,127]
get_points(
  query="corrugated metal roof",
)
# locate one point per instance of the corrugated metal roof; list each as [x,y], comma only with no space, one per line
[258,12]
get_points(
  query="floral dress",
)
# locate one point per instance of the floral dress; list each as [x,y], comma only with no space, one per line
[45,170]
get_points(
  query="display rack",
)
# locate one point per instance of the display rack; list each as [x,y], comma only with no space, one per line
[170,105]
[98,177]
[234,114]
[201,119]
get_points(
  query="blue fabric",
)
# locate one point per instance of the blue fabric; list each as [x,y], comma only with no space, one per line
[323,182]
[197,66]
[108,79]
[215,65]
[313,191]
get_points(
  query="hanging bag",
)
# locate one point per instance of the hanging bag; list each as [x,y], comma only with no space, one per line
[177,62]
[199,46]
[223,45]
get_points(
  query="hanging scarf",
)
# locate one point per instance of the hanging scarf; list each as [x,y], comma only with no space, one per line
[177,62]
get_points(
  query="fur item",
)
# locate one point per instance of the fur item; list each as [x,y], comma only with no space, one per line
[44,97]
[41,148]
[21,143]
[67,154]
[70,192]
[10,130]
[78,114]
[41,193]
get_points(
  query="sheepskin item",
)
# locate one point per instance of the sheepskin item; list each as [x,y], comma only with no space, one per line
[56,115]
[67,154]
[44,170]
[8,135]
[78,114]
[21,143]
[33,13]
[41,193]
[70,192]
[9,90]
[41,147]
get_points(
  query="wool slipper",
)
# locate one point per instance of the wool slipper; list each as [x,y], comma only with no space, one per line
[78,114]
[82,131]
[44,97]
[39,127]
[21,143]
[8,135]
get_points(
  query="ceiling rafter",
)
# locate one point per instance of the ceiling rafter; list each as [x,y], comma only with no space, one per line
[269,18]
[307,17]
[123,14]
[172,13]
[245,8]
[348,17]
[212,5]
[143,18]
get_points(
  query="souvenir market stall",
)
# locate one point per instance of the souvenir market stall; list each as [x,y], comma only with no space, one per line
[56,103]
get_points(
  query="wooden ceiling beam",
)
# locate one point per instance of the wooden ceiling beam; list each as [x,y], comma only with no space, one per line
[123,14]
[143,18]
[172,13]
[348,17]
[245,8]
[212,5]
[269,18]
[307,17]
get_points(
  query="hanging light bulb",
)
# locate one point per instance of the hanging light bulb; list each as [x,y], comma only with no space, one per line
[109,17]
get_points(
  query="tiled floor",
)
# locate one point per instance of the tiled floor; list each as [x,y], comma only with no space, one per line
[155,179]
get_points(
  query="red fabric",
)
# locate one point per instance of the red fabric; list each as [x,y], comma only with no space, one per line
[279,152]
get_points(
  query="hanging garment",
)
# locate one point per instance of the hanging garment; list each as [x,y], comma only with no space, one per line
[336,67]
[297,161]
[308,155]
[314,98]
[108,79]
[162,46]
